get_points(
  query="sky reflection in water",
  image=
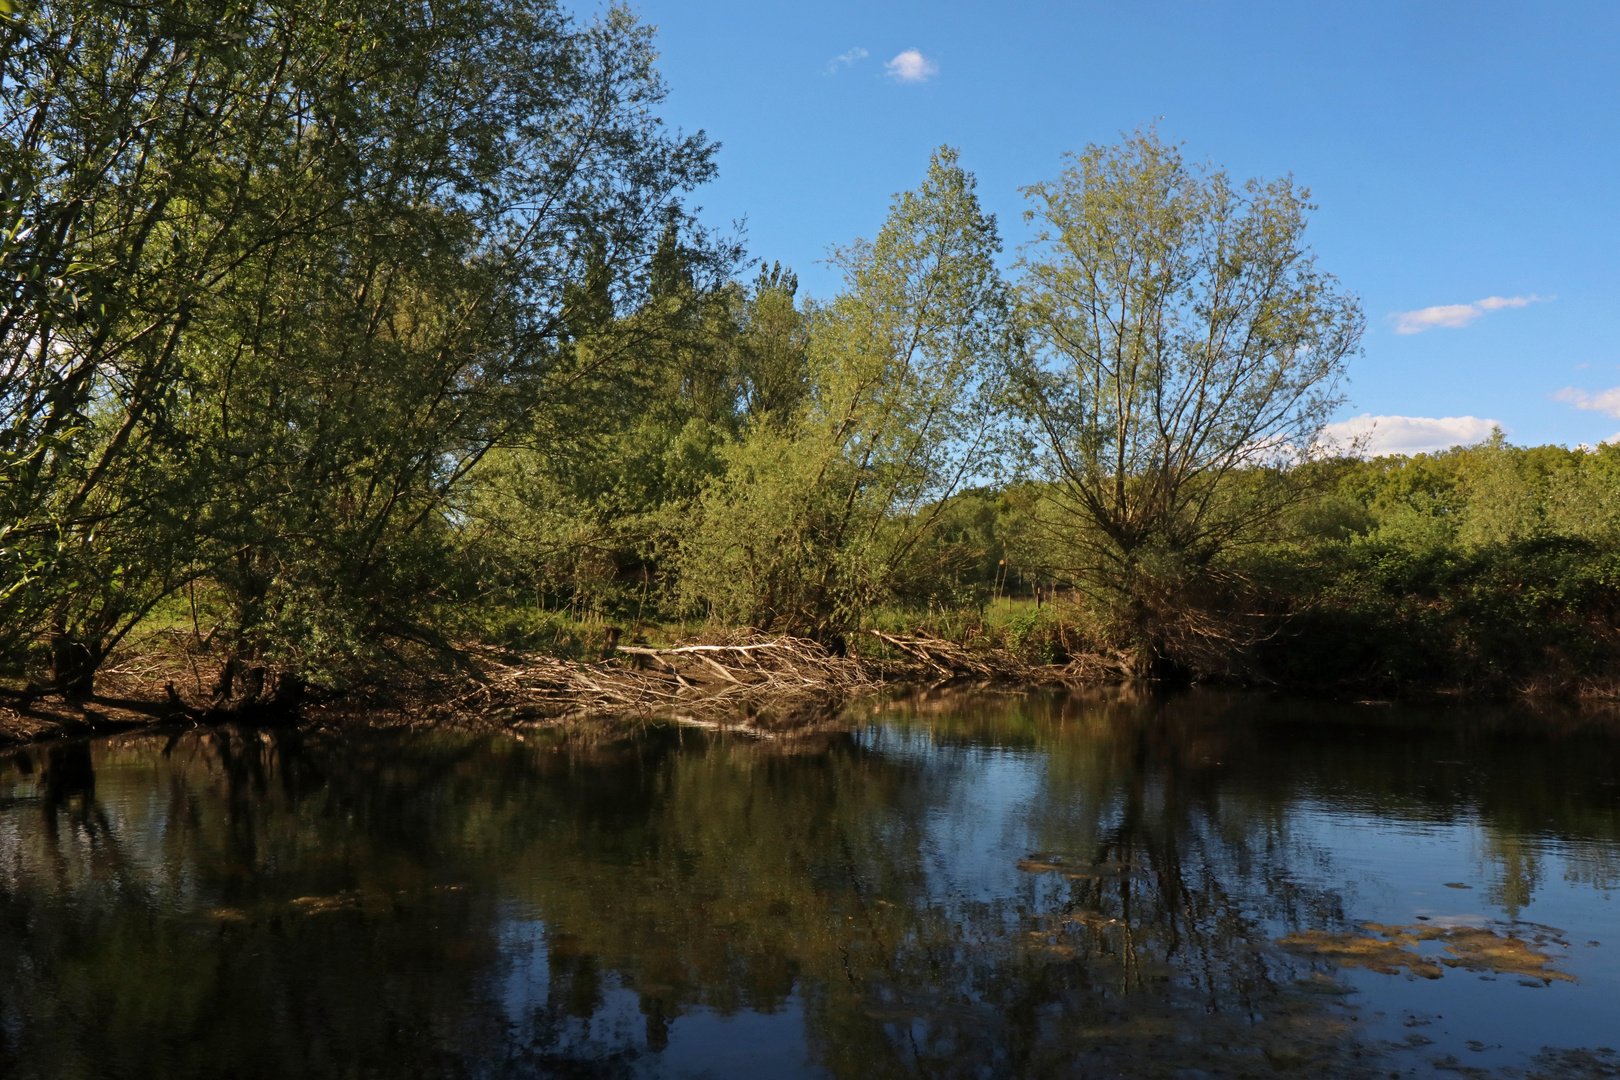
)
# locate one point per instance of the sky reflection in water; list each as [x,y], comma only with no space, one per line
[957,886]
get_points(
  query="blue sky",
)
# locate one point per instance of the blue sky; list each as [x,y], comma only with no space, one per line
[1460,152]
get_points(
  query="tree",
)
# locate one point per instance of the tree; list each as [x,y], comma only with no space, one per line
[516,192]
[282,272]
[1183,351]
[146,151]
[772,345]
[819,510]
[577,510]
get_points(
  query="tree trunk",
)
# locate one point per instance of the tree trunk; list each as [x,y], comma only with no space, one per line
[73,665]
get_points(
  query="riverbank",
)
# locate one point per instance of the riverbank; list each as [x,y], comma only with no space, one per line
[753,679]
[742,678]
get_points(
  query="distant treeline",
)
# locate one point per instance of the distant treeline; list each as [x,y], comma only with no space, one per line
[1489,568]
[338,334]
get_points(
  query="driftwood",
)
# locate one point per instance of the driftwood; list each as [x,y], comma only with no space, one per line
[1089,669]
[772,681]
[952,661]
[786,674]
[788,677]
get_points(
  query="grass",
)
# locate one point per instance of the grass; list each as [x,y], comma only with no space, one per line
[1042,632]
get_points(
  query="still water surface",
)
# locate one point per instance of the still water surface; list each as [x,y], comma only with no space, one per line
[957,887]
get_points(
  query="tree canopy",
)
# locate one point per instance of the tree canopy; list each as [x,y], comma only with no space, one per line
[338,337]
[1183,351]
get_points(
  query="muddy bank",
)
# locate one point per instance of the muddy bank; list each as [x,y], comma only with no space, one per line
[751,680]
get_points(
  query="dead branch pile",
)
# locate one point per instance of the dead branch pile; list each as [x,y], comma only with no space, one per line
[949,660]
[783,673]
[779,682]
[1089,669]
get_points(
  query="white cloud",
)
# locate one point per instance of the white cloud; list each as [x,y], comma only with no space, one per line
[911,66]
[1604,401]
[847,59]
[1456,315]
[1407,434]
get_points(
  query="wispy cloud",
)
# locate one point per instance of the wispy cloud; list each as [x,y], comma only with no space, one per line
[1456,315]
[1407,434]
[848,59]
[1604,401]
[911,66]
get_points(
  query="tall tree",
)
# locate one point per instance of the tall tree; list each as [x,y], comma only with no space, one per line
[146,150]
[307,261]
[518,190]
[815,518]
[1183,351]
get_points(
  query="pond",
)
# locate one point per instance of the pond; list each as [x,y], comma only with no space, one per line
[945,886]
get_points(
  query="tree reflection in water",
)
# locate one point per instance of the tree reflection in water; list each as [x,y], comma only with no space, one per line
[1021,886]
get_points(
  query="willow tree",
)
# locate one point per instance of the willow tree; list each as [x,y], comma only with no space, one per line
[1183,352]
[511,188]
[146,151]
[821,509]
[281,272]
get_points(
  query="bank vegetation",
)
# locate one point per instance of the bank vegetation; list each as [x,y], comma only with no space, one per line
[377,353]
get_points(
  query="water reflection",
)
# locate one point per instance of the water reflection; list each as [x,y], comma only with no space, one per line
[1018,886]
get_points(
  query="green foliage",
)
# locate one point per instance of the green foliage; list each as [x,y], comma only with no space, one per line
[286,272]
[368,328]
[584,516]
[820,510]
[1490,568]
[1183,353]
